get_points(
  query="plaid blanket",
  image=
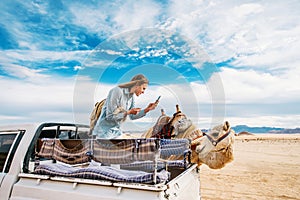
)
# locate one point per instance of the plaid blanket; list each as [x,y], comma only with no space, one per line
[146,149]
[101,173]
[148,166]
[173,147]
[124,151]
[56,149]
[47,148]
[114,151]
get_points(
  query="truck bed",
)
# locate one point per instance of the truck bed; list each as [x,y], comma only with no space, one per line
[32,186]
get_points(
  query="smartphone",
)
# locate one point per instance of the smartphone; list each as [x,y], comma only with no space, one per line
[157,99]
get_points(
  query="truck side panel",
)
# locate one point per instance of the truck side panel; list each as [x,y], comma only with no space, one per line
[29,188]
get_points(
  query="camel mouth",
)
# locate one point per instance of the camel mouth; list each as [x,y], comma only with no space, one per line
[183,122]
[213,142]
[215,137]
[199,150]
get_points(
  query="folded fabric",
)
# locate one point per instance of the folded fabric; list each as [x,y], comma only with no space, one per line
[173,147]
[118,151]
[73,155]
[55,149]
[98,172]
[150,167]
[113,151]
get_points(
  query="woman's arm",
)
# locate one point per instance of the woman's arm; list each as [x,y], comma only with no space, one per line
[143,112]
[113,102]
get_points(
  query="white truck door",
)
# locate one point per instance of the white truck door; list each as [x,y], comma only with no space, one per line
[9,140]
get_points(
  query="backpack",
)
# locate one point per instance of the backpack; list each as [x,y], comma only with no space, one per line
[96,114]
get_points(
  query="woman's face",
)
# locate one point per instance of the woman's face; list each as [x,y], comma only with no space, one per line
[140,89]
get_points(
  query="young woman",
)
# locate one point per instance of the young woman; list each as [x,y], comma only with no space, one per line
[119,105]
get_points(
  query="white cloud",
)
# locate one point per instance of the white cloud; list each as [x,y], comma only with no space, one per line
[249,86]
[78,68]
[261,38]
[94,19]
[23,72]
[23,100]
[61,100]
[137,14]
[111,18]
[8,56]
[286,121]
[247,9]
[46,91]
[255,34]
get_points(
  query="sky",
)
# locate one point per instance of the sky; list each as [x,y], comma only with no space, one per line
[218,60]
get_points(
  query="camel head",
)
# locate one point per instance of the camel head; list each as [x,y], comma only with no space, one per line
[179,122]
[215,148]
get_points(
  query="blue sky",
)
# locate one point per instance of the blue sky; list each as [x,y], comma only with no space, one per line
[219,60]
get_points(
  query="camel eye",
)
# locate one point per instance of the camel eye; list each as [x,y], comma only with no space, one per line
[215,134]
[181,120]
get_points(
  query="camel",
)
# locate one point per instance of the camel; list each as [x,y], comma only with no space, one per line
[214,148]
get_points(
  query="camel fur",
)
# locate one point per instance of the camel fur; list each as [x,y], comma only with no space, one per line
[215,156]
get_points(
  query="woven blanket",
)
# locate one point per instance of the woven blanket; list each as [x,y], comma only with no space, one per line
[174,147]
[117,151]
[113,151]
[146,149]
[124,151]
[149,166]
[97,172]
[55,149]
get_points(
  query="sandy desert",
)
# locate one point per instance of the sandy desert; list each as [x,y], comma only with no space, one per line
[265,166]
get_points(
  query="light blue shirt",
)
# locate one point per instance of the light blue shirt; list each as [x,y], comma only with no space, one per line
[109,123]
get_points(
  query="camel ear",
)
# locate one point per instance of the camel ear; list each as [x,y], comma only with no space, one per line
[226,126]
[177,108]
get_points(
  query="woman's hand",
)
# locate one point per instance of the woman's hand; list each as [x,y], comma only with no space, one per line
[151,106]
[133,111]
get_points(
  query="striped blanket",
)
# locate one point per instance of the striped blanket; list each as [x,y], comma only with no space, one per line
[138,159]
[60,151]
[99,172]
[117,151]
[149,166]
[173,147]
[124,151]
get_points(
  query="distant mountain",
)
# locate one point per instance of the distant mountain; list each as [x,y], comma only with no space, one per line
[264,129]
[143,127]
[288,131]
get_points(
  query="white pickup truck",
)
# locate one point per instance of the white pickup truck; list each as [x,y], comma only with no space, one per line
[61,161]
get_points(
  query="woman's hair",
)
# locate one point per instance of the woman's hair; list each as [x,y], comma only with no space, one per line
[139,79]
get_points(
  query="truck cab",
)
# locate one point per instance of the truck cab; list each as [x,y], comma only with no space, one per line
[17,139]
[9,141]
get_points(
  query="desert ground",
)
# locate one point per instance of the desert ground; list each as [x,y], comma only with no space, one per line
[265,166]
